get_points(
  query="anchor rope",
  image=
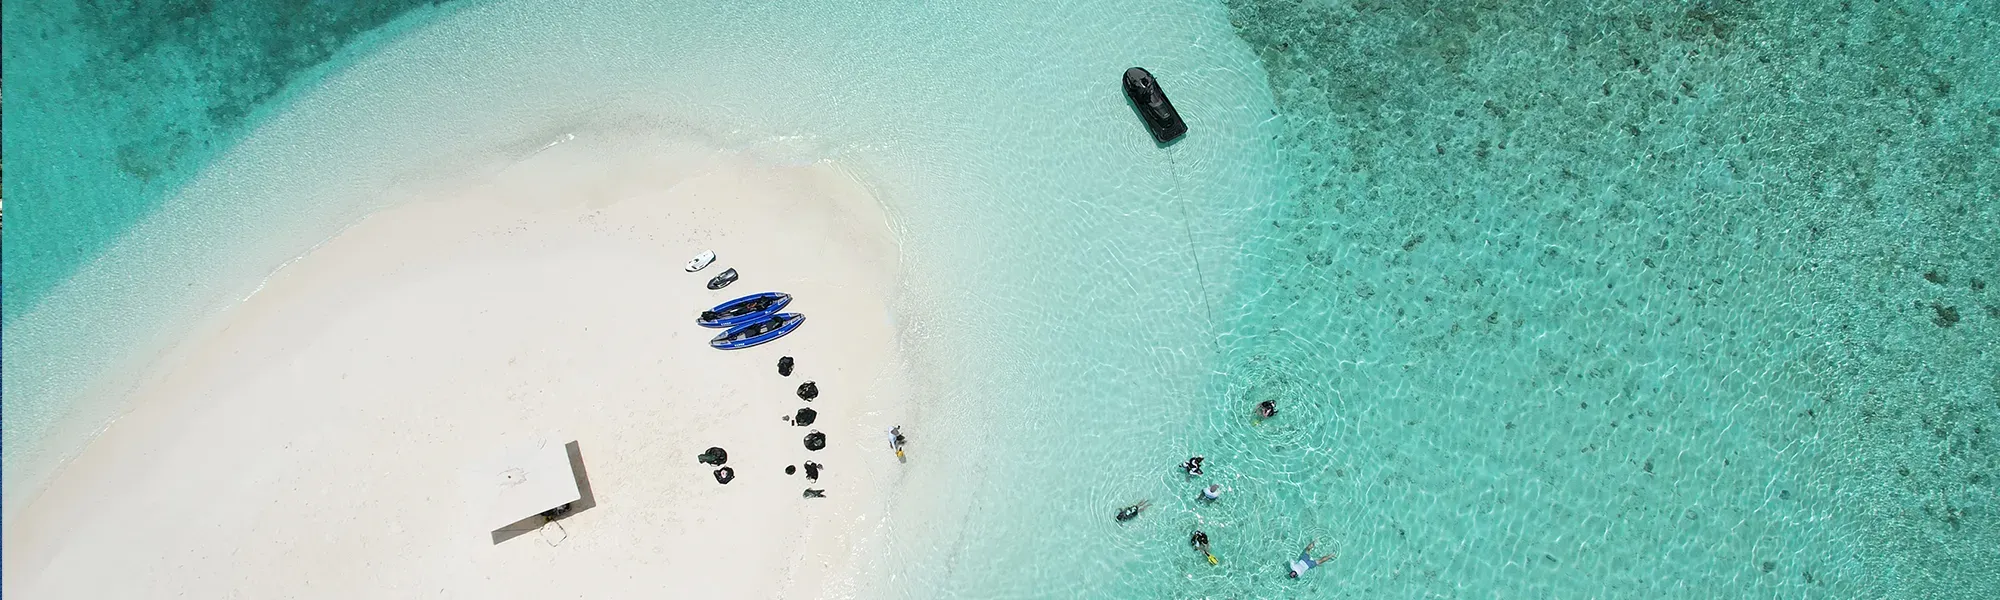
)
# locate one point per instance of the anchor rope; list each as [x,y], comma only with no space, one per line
[1187,226]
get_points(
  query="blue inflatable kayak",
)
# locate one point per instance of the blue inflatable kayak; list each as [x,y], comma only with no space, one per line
[751,334]
[748,309]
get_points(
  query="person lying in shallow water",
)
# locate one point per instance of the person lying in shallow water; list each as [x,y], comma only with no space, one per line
[1132,512]
[1192,466]
[896,440]
[1305,560]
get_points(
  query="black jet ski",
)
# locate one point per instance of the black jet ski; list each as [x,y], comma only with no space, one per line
[1153,107]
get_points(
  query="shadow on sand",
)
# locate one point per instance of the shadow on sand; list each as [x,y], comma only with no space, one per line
[554,516]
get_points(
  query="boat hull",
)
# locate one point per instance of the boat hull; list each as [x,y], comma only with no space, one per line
[1151,102]
[735,312]
[759,332]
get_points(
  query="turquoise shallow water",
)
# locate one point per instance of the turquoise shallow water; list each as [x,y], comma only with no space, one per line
[1642,300]
[117,105]
[1628,300]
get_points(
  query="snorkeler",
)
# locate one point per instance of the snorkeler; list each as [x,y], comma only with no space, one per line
[1200,542]
[1192,466]
[1305,561]
[1132,512]
[1267,409]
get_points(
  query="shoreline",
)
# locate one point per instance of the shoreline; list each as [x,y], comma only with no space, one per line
[1002,233]
[316,433]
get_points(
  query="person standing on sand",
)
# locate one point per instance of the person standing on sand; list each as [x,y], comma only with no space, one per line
[1305,561]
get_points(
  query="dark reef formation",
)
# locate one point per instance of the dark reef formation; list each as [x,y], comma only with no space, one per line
[119,103]
[1699,219]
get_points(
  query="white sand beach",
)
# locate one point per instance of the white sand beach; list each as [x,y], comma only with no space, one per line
[311,442]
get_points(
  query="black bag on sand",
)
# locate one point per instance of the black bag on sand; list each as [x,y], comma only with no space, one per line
[808,391]
[724,475]
[815,441]
[785,367]
[805,417]
[714,456]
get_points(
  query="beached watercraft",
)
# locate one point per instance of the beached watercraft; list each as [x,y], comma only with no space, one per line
[723,280]
[748,309]
[1153,107]
[758,332]
[700,261]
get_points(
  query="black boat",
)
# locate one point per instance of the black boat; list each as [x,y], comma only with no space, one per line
[1153,107]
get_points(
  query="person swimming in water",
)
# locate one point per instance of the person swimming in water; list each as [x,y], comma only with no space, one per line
[1213,492]
[1192,466]
[1132,512]
[1200,542]
[1267,409]
[1305,561]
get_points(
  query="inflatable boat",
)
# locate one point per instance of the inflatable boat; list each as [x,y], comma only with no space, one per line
[1153,107]
[748,309]
[750,334]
